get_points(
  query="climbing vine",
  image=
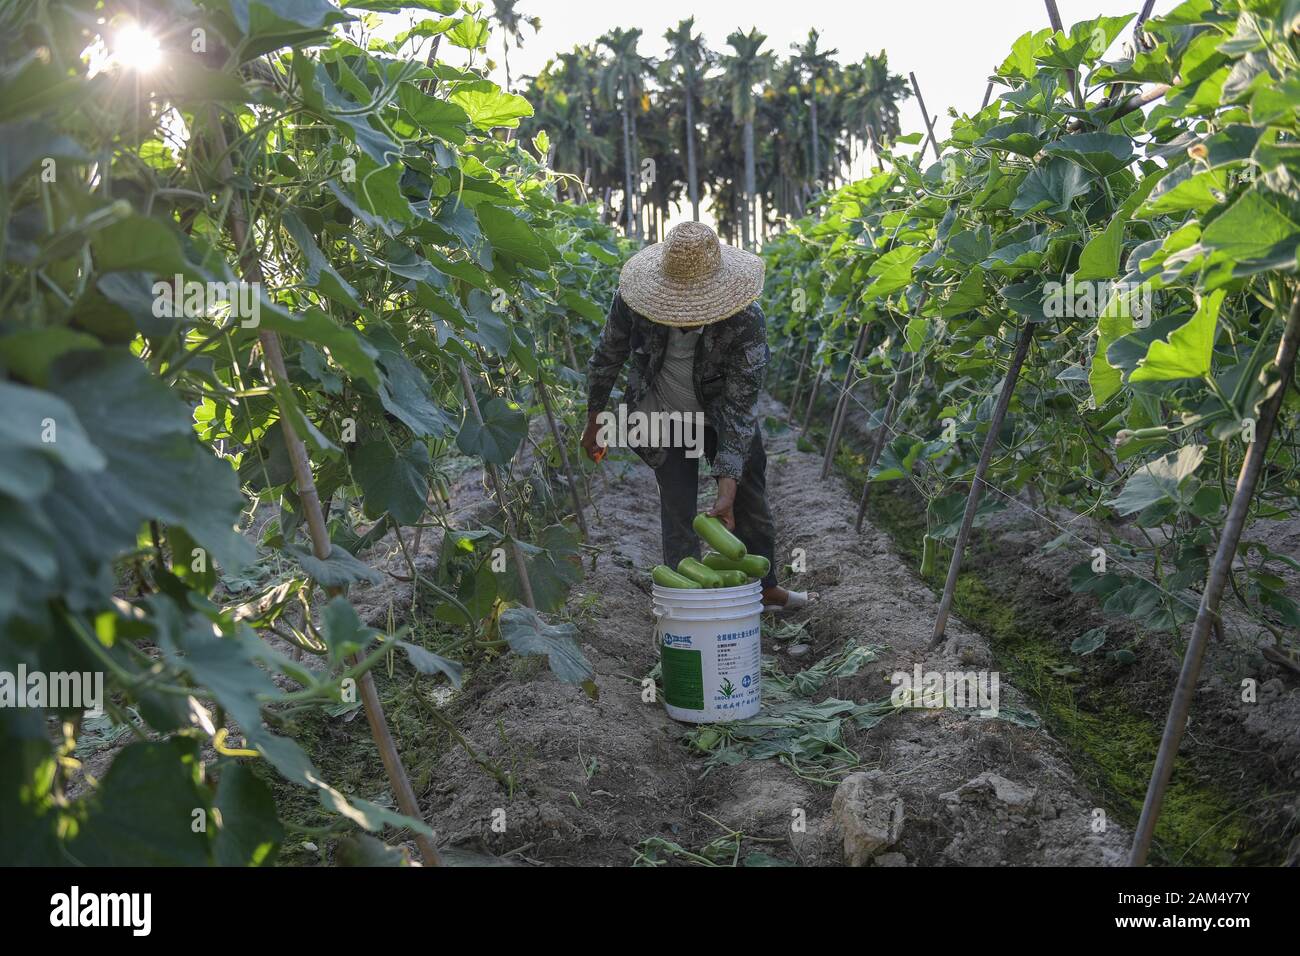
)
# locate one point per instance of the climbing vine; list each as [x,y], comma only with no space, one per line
[265,277]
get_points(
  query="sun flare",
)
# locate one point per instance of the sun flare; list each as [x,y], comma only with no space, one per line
[136,48]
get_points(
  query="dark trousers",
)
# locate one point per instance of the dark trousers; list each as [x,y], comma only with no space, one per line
[679,486]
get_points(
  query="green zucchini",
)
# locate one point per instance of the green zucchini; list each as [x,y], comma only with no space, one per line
[705,577]
[733,579]
[755,565]
[666,577]
[717,537]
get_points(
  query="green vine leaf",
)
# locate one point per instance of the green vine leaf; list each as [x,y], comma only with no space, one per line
[1051,189]
[498,438]
[1159,480]
[528,635]
[392,481]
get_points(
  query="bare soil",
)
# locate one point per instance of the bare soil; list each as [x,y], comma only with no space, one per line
[590,780]
[557,778]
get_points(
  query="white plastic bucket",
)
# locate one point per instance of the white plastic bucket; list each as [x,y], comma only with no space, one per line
[711,652]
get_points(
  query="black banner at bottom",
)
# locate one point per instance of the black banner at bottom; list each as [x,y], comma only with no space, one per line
[126,907]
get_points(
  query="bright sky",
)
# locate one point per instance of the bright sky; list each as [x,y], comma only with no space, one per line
[951,45]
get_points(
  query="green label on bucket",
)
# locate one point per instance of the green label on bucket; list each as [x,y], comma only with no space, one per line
[683,678]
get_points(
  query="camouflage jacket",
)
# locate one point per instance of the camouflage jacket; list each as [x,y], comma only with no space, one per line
[730,361]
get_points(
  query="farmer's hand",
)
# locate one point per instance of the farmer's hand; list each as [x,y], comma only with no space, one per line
[594,449]
[726,501]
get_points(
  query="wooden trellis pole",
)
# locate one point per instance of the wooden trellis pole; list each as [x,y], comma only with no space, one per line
[305,484]
[878,446]
[977,483]
[925,115]
[846,391]
[544,394]
[1208,613]
[882,433]
[1147,8]
[568,348]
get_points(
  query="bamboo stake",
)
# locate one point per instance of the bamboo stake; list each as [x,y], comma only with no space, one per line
[882,434]
[310,498]
[925,115]
[837,419]
[878,446]
[494,476]
[431,84]
[976,485]
[573,356]
[930,137]
[564,455]
[1143,17]
[419,528]
[1208,613]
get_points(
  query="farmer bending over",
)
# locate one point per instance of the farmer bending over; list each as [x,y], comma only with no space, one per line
[686,312]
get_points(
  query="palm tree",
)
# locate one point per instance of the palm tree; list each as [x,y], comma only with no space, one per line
[512,27]
[815,65]
[802,118]
[688,58]
[582,68]
[743,71]
[622,83]
[561,96]
[659,136]
[783,115]
[874,96]
[722,158]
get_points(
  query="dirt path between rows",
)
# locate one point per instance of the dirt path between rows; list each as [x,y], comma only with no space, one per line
[594,779]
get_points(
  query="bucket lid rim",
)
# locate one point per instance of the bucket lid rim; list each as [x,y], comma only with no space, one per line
[695,594]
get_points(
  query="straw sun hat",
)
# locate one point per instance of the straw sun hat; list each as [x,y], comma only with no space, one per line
[690,278]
